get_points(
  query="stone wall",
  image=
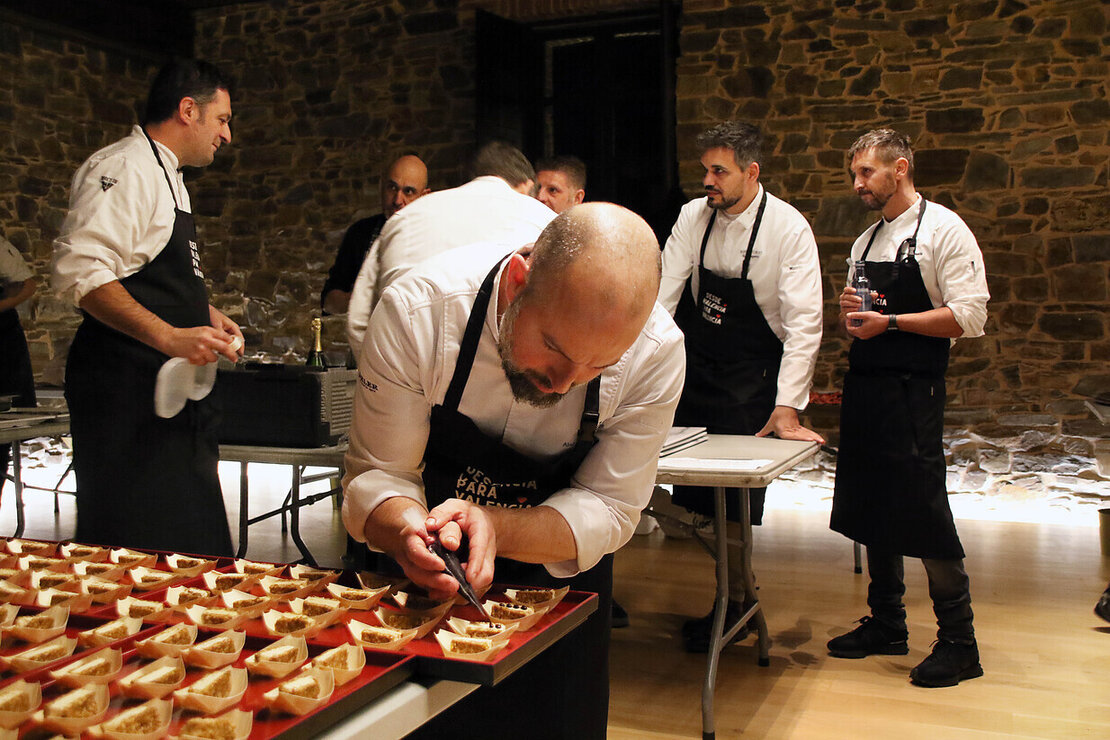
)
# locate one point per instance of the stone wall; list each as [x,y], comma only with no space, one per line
[60,100]
[1006,101]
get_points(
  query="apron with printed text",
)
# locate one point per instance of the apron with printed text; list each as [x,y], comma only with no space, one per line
[566,688]
[732,364]
[144,481]
[890,472]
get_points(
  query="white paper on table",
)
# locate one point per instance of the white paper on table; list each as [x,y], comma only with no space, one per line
[701,463]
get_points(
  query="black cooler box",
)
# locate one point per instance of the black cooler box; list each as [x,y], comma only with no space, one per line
[275,405]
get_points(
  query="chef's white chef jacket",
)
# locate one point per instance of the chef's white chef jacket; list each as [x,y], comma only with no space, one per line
[121,215]
[486,209]
[407,362]
[785,272]
[949,257]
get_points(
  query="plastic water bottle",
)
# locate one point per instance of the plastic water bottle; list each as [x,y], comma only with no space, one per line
[863,289]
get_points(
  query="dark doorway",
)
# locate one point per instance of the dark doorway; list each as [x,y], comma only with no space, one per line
[600,89]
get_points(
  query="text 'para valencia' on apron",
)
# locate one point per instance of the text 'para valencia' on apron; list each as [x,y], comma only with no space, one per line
[570,679]
[732,364]
[890,473]
[144,481]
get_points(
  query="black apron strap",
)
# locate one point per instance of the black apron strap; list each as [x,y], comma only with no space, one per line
[469,345]
[755,233]
[910,243]
[153,148]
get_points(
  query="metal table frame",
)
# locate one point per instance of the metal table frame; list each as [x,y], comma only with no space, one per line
[298,458]
[32,424]
[725,450]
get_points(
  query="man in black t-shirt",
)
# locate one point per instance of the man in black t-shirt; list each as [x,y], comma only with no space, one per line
[405,181]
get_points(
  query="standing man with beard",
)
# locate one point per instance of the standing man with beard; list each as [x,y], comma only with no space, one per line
[742,277]
[128,257]
[517,404]
[929,287]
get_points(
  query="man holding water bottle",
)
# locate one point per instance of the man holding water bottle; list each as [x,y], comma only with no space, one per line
[928,287]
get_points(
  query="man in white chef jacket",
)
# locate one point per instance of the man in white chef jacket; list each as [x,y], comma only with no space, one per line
[129,258]
[742,277]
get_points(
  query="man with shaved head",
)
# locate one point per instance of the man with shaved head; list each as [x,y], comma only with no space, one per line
[404,181]
[515,405]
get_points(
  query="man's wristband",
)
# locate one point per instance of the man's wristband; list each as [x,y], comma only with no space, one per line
[892,322]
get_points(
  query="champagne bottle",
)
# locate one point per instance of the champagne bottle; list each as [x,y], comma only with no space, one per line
[863,289]
[316,356]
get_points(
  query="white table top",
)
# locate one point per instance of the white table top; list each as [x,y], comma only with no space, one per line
[740,461]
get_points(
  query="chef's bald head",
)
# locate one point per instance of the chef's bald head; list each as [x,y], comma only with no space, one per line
[578,302]
[601,253]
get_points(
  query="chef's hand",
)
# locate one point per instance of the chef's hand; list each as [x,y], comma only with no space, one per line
[784,424]
[454,519]
[408,542]
[233,334]
[874,323]
[200,345]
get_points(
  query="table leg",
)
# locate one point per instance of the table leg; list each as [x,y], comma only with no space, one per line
[295,518]
[755,611]
[244,513]
[708,730]
[17,479]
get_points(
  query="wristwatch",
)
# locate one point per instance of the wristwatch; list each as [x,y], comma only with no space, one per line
[892,322]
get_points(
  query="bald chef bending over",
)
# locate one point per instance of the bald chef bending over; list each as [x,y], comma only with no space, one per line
[521,401]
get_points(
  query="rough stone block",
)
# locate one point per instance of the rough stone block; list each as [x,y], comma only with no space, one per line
[1091,247]
[994,461]
[1072,326]
[1057,177]
[987,171]
[939,166]
[954,120]
[1032,289]
[958,78]
[1079,283]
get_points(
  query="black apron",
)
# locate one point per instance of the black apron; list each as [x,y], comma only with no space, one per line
[565,690]
[890,473]
[16,375]
[732,365]
[144,481]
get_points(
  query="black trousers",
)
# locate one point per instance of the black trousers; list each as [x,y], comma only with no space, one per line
[16,376]
[949,588]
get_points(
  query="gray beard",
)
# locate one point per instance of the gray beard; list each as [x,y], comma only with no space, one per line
[524,390]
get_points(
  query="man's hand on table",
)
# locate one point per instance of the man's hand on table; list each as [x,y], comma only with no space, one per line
[784,424]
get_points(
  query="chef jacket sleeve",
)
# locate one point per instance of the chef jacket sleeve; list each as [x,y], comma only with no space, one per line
[104,226]
[614,483]
[961,276]
[801,308]
[389,429]
[680,255]
[362,298]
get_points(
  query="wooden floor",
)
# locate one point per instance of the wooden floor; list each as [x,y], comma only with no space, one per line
[1046,656]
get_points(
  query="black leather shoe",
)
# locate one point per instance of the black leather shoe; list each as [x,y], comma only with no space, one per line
[1102,608]
[695,632]
[618,617]
[947,665]
[872,637]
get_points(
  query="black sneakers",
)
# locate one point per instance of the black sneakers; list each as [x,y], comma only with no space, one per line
[1102,608]
[695,632]
[870,638]
[947,665]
